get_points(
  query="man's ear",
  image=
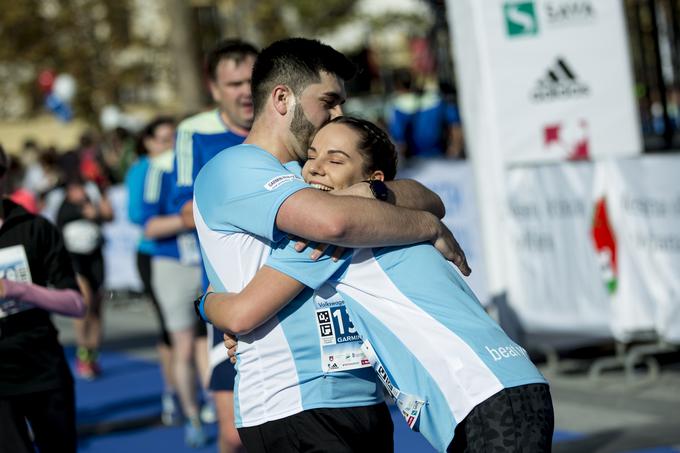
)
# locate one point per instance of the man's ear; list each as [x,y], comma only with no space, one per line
[281,98]
[213,90]
[378,174]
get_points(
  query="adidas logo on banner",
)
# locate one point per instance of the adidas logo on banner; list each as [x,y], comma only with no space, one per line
[560,81]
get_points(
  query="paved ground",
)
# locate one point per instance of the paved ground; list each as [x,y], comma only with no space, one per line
[609,414]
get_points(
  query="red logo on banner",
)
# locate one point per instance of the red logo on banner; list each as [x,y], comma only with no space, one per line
[568,140]
[605,245]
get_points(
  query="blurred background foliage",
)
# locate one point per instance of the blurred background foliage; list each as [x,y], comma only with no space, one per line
[141,52]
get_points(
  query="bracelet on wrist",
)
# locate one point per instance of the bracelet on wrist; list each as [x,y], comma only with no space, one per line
[199,306]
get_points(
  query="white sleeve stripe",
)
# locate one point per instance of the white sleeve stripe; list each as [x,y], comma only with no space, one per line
[152,185]
[185,158]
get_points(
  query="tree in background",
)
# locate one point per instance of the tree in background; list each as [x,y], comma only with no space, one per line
[265,21]
[79,37]
[144,52]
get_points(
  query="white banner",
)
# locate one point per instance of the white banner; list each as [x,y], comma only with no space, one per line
[643,210]
[553,271]
[539,80]
[454,183]
[559,80]
[595,248]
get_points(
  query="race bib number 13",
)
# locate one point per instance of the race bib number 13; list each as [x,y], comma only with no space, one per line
[340,342]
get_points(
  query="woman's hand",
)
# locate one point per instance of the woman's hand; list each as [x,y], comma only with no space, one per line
[231,343]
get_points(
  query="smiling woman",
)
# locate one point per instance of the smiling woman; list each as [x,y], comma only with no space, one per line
[349,150]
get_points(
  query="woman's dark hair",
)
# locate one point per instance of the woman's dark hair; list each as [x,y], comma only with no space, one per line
[374,144]
[149,131]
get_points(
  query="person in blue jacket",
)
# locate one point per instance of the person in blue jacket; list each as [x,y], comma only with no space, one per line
[157,136]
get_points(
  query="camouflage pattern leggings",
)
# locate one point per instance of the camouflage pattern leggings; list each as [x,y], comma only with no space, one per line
[518,419]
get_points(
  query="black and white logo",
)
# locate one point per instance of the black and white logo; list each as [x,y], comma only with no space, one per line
[559,82]
[570,12]
[326,330]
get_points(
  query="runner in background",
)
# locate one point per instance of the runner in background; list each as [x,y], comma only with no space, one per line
[155,137]
[36,278]
[80,217]
[199,138]
[175,279]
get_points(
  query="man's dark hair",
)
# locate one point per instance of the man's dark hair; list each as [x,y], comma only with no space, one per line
[296,63]
[228,49]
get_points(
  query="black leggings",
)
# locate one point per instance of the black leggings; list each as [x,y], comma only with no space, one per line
[341,430]
[144,268]
[52,415]
[517,419]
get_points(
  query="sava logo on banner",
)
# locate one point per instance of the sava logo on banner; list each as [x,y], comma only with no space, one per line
[522,18]
[569,12]
[559,82]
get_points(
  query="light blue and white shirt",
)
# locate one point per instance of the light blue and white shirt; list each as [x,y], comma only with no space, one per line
[279,370]
[157,201]
[435,341]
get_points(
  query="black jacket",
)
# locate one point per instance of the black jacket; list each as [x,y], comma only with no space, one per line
[31,358]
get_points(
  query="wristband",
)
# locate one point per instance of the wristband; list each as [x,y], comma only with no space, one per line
[199,306]
[378,189]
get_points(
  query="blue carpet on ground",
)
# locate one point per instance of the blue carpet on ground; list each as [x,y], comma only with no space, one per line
[656,450]
[155,438]
[564,436]
[130,389]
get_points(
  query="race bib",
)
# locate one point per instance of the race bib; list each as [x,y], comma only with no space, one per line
[409,405]
[340,342]
[188,249]
[14,266]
